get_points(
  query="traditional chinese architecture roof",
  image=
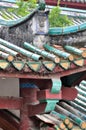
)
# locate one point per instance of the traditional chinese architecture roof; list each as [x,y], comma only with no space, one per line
[78,18]
[50,60]
[68,114]
[44,62]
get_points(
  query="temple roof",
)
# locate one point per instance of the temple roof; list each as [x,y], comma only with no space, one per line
[66,110]
[46,62]
[51,60]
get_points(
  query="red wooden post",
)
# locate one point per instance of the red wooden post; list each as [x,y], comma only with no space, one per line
[29,97]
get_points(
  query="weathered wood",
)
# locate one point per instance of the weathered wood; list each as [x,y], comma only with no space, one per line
[59,53]
[42,52]
[10,102]
[20,50]
[75,51]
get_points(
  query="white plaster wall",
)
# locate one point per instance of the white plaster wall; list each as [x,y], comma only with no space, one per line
[10,87]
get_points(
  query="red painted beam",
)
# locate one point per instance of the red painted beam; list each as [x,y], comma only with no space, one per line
[77,5]
[69,93]
[10,102]
[36,109]
[65,94]
[58,72]
[70,4]
[46,94]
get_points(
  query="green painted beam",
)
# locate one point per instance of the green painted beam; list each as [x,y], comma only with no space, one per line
[56,85]
[50,104]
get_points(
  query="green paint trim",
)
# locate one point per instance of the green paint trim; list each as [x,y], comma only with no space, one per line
[50,105]
[56,85]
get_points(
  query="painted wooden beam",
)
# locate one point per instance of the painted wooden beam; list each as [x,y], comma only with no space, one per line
[64,94]
[36,109]
[10,102]
[58,72]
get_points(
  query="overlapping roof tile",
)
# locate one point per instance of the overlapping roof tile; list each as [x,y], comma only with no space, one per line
[67,114]
[50,59]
